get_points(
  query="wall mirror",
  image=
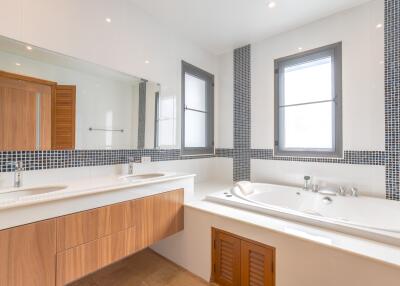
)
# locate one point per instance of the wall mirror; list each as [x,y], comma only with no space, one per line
[50,101]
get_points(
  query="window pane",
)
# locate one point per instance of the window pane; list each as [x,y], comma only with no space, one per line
[308,82]
[307,126]
[195,92]
[195,129]
[166,133]
[166,107]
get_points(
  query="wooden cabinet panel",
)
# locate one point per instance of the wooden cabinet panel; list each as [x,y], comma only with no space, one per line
[256,265]
[239,261]
[226,259]
[143,216]
[63,118]
[82,227]
[28,255]
[79,261]
[157,217]
[21,98]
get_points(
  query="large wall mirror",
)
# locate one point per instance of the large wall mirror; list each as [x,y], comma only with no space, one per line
[50,101]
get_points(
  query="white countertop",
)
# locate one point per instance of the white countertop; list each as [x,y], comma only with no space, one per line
[78,188]
[81,195]
[368,248]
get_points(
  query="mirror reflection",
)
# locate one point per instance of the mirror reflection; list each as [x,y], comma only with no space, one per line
[50,101]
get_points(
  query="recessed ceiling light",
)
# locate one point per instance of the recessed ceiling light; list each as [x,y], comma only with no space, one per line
[378,26]
[146,61]
[271,4]
[29,48]
[300,48]
[108,20]
[17,64]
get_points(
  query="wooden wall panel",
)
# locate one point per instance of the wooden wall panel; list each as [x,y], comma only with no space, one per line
[28,255]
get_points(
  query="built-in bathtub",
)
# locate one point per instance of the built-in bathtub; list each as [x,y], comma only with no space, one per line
[367,217]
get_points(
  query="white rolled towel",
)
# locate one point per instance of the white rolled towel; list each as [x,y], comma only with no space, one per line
[245,187]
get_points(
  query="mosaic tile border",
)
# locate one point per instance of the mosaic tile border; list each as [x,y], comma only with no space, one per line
[375,158]
[41,160]
[241,113]
[392,98]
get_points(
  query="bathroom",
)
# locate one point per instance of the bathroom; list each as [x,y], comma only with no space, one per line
[251,143]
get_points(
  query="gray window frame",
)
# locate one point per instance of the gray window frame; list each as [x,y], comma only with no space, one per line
[209,79]
[335,51]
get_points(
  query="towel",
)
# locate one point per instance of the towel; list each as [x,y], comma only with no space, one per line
[245,187]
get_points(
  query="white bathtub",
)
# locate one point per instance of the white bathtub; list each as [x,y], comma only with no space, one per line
[367,217]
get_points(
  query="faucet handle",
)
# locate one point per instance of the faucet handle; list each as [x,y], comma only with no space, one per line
[342,191]
[354,192]
[18,165]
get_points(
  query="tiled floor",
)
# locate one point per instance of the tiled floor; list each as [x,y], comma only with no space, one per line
[145,268]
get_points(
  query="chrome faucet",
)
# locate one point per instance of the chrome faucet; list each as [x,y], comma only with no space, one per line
[307,183]
[18,169]
[354,192]
[131,160]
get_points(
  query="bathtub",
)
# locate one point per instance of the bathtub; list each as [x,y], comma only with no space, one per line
[367,217]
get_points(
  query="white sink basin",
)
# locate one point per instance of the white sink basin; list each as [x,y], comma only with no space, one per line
[24,192]
[142,176]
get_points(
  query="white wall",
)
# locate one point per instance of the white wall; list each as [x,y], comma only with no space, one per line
[363,97]
[363,75]
[78,28]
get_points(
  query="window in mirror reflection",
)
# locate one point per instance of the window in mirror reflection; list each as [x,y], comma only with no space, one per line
[165,121]
[308,103]
[197,111]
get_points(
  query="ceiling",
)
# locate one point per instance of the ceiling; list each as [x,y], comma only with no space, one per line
[222,25]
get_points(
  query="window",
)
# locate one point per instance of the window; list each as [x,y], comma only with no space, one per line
[165,121]
[197,111]
[308,91]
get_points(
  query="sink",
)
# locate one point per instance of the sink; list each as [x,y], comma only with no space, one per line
[18,193]
[143,176]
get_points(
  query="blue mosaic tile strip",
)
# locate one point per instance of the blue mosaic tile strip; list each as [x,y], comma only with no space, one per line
[392,98]
[241,113]
[377,158]
[41,160]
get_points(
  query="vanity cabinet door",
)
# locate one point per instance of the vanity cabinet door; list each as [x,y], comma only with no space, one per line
[82,227]
[28,255]
[81,260]
[157,217]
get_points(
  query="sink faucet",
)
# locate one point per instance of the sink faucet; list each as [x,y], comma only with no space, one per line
[131,160]
[18,169]
[307,183]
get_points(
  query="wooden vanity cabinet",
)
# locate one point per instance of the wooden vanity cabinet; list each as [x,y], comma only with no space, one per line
[64,249]
[238,261]
[90,240]
[28,255]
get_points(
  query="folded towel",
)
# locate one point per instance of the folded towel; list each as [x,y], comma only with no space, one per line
[245,187]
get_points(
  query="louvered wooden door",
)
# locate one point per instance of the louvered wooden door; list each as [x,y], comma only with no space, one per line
[63,117]
[256,265]
[242,262]
[226,259]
